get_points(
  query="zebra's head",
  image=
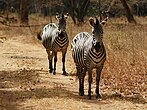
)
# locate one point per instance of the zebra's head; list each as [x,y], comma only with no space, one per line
[97,30]
[61,21]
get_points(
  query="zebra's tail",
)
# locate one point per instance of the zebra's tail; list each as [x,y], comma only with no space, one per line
[38,36]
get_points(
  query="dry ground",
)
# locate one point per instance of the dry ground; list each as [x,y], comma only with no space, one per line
[25,83]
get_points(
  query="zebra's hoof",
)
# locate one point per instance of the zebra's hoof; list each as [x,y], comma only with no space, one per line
[50,70]
[81,93]
[54,73]
[65,73]
[98,96]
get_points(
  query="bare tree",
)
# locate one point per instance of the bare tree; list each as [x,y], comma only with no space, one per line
[129,15]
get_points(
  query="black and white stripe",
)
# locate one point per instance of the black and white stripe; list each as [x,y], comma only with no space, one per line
[54,38]
[88,52]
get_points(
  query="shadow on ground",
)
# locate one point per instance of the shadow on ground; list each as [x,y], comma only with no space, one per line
[18,86]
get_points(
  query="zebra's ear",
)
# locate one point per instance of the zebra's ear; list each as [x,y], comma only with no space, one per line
[91,21]
[57,16]
[104,21]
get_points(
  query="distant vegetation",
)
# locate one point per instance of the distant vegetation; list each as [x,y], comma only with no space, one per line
[138,7]
[77,9]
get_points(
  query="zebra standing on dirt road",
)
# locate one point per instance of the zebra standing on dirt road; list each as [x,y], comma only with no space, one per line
[54,38]
[88,52]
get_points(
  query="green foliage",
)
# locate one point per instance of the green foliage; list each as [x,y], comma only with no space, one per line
[92,10]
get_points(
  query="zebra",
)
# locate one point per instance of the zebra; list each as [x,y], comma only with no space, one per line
[88,52]
[54,38]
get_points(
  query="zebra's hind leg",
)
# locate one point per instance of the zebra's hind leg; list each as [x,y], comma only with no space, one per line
[81,89]
[63,61]
[50,57]
[98,74]
[89,81]
[80,76]
[82,81]
[55,61]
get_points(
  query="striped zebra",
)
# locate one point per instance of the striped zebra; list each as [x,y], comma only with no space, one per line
[88,52]
[54,38]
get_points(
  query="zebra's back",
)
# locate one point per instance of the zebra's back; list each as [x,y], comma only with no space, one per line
[83,52]
[49,33]
[78,50]
[53,39]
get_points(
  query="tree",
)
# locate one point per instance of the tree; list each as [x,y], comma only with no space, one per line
[7,8]
[24,12]
[129,15]
[77,9]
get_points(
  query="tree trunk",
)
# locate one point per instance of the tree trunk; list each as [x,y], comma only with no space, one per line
[129,15]
[7,9]
[23,12]
[100,12]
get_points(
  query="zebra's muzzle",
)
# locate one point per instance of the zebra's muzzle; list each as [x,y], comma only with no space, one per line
[97,46]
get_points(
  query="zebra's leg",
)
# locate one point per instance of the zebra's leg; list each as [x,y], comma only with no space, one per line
[82,82]
[55,61]
[81,92]
[50,57]
[63,61]
[98,74]
[80,77]
[50,66]
[89,81]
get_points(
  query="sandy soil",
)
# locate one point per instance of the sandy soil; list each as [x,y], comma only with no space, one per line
[25,83]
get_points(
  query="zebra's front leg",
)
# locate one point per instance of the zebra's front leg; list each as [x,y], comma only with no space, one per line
[50,57]
[98,74]
[55,61]
[63,61]
[89,81]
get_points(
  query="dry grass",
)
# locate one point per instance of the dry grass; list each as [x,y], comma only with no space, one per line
[125,69]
